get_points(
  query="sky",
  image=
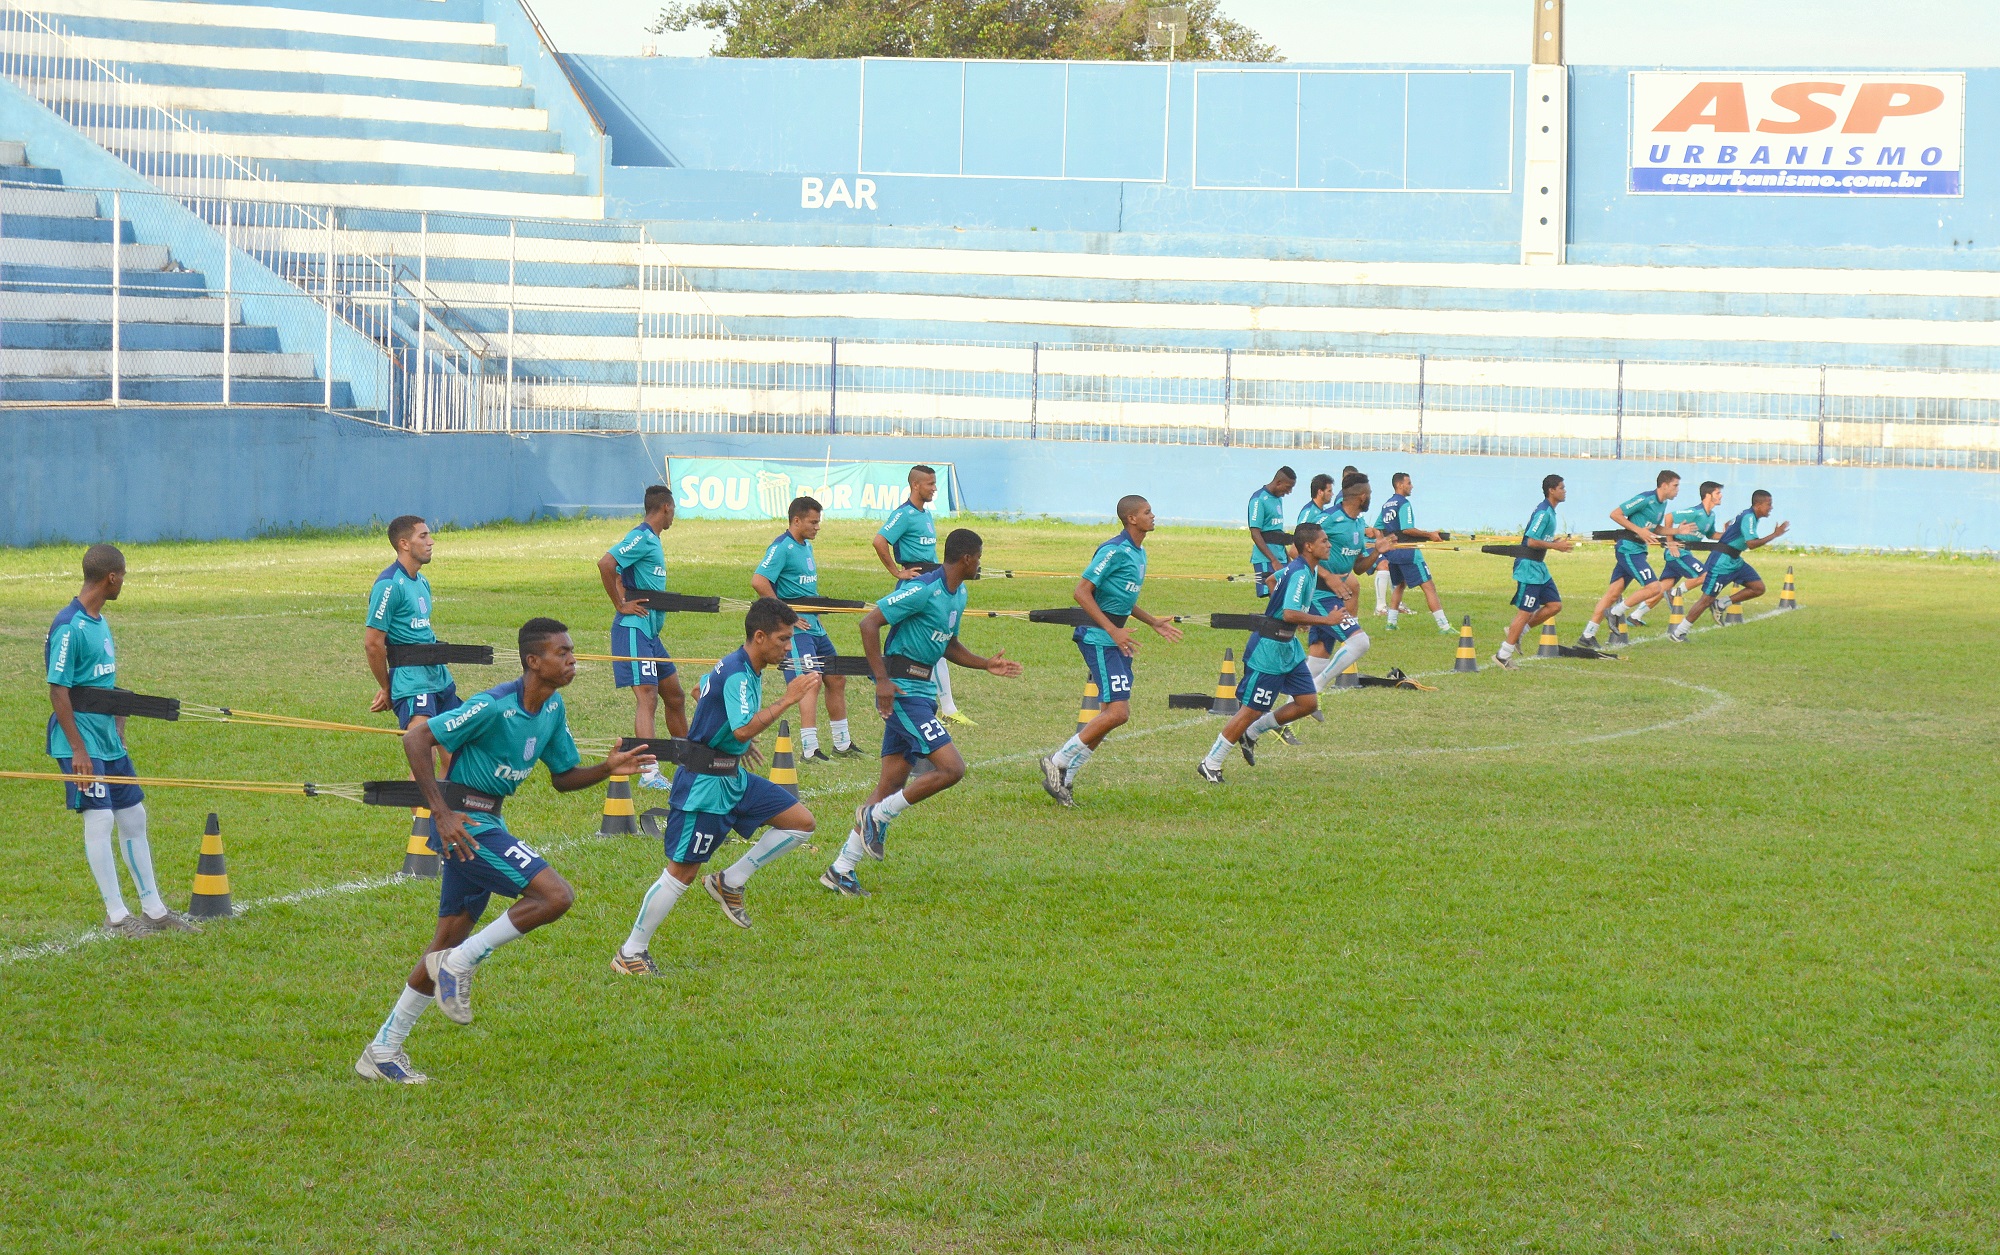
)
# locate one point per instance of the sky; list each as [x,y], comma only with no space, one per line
[1830,34]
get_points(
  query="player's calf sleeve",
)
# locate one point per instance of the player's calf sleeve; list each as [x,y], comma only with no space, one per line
[403,1017]
[1264,723]
[1351,651]
[770,846]
[103,862]
[653,908]
[1381,589]
[139,858]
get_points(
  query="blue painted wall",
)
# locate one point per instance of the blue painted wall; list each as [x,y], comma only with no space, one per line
[83,475]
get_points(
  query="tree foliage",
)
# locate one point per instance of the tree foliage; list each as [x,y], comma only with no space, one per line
[1026,30]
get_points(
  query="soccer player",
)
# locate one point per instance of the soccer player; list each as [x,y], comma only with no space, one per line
[1109,594]
[729,714]
[495,741]
[1321,501]
[1679,564]
[1352,547]
[923,617]
[907,548]
[1632,577]
[1536,599]
[1726,566]
[1407,568]
[399,613]
[1267,514]
[1276,664]
[788,570]
[634,563]
[78,654]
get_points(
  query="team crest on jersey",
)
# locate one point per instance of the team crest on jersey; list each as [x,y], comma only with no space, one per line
[528,751]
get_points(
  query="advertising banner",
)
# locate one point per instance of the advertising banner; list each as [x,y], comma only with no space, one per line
[761,488]
[1797,133]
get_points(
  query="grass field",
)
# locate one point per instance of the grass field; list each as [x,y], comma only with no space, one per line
[1693,951]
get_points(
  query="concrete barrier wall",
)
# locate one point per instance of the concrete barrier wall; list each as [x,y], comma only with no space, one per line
[76,476]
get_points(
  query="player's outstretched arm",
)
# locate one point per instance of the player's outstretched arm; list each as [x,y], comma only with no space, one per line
[999,664]
[1776,532]
[619,762]
[1167,630]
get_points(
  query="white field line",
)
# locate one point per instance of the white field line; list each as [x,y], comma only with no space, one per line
[1719,701]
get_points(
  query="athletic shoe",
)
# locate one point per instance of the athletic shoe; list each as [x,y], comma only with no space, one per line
[873,831]
[730,900]
[654,780]
[850,750]
[1053,783]
[1447,630]
[1718,609]
[1678,635]
[1390,626]
[817,756]
[1381,612]
[454,989]
[1636,619]
[640,964]
[127,927]
[960,718]
[846,884]
[1319,714]
[1587,641]
[1211,774]
[171,922]
[1248,747]
[394,1066]
[1509,663]
[1289,737]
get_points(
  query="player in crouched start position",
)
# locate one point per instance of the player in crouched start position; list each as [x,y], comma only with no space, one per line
[1274,660]
[923,616]
[495,740]
[713,794]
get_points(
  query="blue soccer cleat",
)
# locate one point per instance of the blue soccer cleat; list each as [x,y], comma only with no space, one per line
[846,884]
[454,988]
[873,831]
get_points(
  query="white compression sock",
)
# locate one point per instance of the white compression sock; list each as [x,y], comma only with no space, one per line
[1439,616]
[1265,722]
[480,946]
[839,729]
[851,854]
[941,673]
[103,862]
[1381,590]
[774,843]
[1317,667]
[1218,751]
[1351,651]
[403,1017]
[1394,614]
[653,908]
[139,858]
[1074,753]
[808,741]
[890,807]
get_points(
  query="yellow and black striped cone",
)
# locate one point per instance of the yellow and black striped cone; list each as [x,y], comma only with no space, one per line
[1225,702]
[1732,616]
[619,819]
[1087,710]
[1468,656]
[1676,612]
[1617,634]
[418,860]
[1350,678]
[211,876]
[1788,596]
[1550,647]
[784,767]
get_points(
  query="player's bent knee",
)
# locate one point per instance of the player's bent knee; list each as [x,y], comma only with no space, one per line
[1116,715]
[551,892]
[797,819]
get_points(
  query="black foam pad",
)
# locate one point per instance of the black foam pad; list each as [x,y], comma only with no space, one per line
[674,602]
[94,701]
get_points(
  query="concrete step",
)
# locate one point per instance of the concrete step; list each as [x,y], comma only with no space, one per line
[395,196]
[49,204]
[164,283]
[165,337]
[308,392]
[278,152]
[354,42]
[315,96]
[134,258]
[151,363]
[298,61]
[80,230]
[96,307]
[258,15]
[20,172]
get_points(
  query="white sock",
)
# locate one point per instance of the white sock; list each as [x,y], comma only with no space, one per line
[1265,722]
[941,673]
[1441,620]
[1589,630]
[1351,652]
[851,855]
[1073,754]
[1637,616]
[139,858]
[480,946]
[808,742]
[1394,614]
[839,729]
[653,908]
[103,862]
[1507,649]
[890,807]
[1317,666]
[1381,590]
[774,843]
[1218,751]
[403,1017]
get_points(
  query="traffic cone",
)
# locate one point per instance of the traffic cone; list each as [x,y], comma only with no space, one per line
[1617,635]
[211,876]
[418,860]
[1549,647]
[619,819]
[1468,656]
[1676,612]
[1091,705]
[1225,702]
[1732,616]
[1350,678]
[1788,596]
[784,767]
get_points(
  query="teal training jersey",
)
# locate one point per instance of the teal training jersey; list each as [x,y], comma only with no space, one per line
[1295,592]
[641,564]
[1541,526]
[1704,524]
[925,616]
[1349,534]
[1117,571]
[78,654]
[1266,514]
[1645,510]
[1310,512]
[912,534]
[1396,515]
[399,606]
[727,699]
[1735,541]
[790,567]
[495,743]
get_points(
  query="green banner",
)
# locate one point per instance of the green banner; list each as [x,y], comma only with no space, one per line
[759,488]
